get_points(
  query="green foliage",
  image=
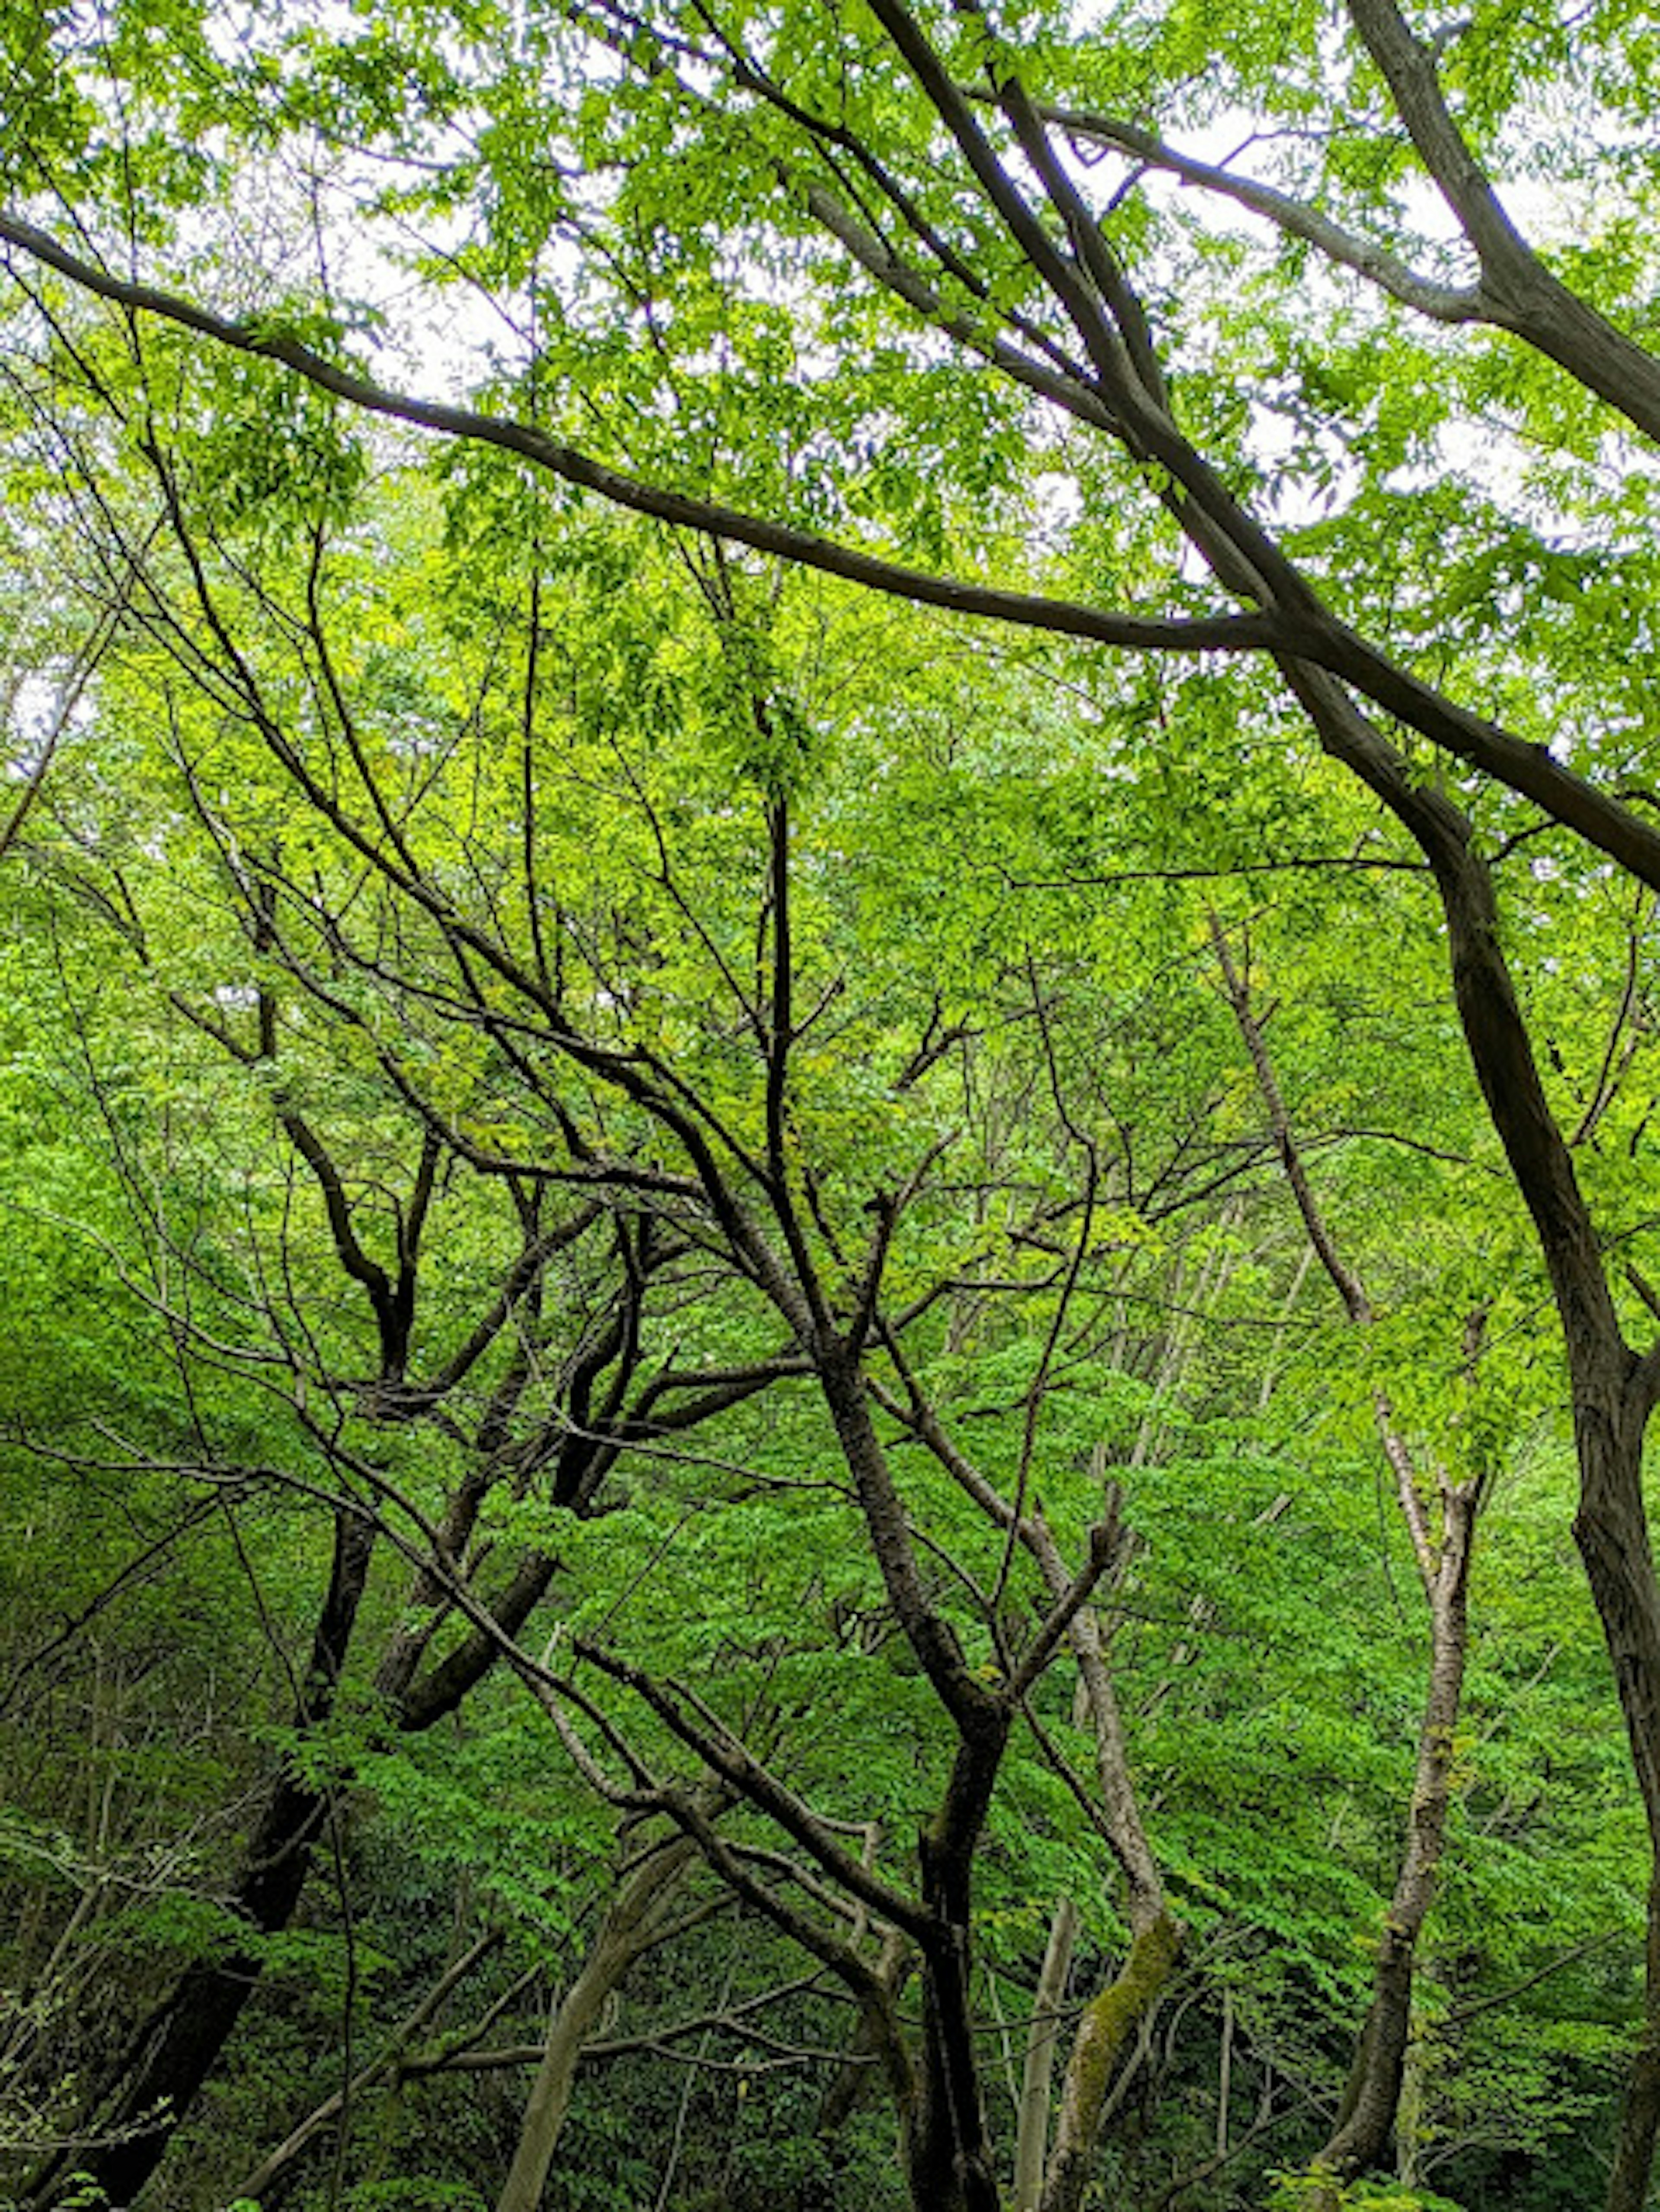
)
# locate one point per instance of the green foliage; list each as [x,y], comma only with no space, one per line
[419,2193]
[1293,2192]
[404,899]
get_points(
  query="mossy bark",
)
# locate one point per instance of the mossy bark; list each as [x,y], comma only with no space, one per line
[1109,2020]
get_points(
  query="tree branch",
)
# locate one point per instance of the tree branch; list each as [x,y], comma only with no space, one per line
[1442,303]
[1029,611]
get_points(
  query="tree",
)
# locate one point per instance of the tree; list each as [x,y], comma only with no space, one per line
[539,1374]
[741,1130]
[1442,1528]
[912,186]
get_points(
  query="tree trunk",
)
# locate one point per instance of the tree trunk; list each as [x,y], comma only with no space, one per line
[1370,2102]
[179,2042]
[1409,2114]
[1032,2139]
[1640,2115]
[1614,1391]
[947,2152]
[951,2168]
[1611,1530]
[1110,2020]
[1112,2016]
[857,2072]
[632,1923]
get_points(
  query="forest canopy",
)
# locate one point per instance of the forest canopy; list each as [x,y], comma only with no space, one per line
[828,855]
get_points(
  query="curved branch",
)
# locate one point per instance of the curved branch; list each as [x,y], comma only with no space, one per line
[1519,291]
[1442,303]
[1027,609]
[1301,624]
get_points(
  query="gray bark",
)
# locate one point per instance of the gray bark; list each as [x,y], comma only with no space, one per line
[1032,2141]
[633,1922]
